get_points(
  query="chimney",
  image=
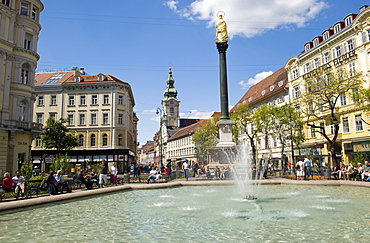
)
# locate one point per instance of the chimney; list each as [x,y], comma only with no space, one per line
[82,71]
[363,8]
[74,70]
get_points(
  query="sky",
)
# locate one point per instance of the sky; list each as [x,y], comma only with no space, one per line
[138,41]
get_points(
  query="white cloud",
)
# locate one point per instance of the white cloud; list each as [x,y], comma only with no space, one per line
[248,18]
[252,81]
[195,114]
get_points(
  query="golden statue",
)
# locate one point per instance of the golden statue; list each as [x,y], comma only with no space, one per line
[221,31]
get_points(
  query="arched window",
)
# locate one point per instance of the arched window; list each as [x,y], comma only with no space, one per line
[25,74]
[22,111]
[81,140]
[105,140]
[92,140]
[120,140]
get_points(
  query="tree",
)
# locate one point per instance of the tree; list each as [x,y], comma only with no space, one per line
[56,136]
[206,136]
[320,103]
[61,162]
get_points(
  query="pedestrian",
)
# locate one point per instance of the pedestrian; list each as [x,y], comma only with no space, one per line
[103,173]
[19,183]
[113,174]
[7,184]
[307,168]
[185,167]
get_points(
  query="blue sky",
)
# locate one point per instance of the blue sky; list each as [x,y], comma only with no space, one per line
[137,41]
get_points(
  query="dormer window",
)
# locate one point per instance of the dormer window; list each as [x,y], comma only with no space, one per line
[263,92]
[307,47]
[281,81]
[101,77]
[272,88]
[250,99]
[348,21]
[77,79]
[338,27]
[326,35]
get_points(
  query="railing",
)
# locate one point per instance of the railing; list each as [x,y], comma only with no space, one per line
[26,126]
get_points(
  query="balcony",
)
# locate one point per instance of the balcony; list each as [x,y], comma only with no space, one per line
[22,125]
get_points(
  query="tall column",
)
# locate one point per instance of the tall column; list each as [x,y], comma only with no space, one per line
[224,97]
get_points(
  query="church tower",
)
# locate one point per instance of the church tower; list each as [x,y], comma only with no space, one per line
[170,103]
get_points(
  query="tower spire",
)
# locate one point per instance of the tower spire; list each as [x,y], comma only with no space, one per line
[170,91]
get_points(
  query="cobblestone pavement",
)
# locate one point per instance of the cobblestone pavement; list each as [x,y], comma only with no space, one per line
[21,203]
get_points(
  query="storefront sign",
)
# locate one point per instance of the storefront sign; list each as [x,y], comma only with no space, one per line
[361,147]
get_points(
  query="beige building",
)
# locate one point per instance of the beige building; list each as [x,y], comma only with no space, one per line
[99,109]
[19,31]
[344,46]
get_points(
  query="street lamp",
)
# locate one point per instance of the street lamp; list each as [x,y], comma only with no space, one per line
[159,111]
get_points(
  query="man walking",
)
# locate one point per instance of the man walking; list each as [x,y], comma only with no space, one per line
[185,167]
[307,168]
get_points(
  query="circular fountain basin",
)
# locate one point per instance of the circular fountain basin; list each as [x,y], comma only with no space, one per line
[282,213]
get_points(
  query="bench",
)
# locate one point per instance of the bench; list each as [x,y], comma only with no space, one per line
[144,178]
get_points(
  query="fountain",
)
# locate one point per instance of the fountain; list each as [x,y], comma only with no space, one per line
[282,213]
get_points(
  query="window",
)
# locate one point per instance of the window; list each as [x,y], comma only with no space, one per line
[326,57]
[343,100]
[105,140]
[336,28]
[263,92]
[28,41]
[93,119]
[120,140]
[71,121]
[38,142]
[55,78]
[94,99]
[322,127]
[352,68]
[120,119]
[295,75]
[172,110]
[106,99]
[358,123]
[81,140]
[92,140]
[345,123]
[316,42]
[313,132]
[71,100]
[349,45]
[82,100]
[332,129]
[316,62]
[6,2]
[40,118]
[348,21]
[120,99]
[25,72]
[105,118]
[337,51]
[311,108]
[272,88]
[101,78]
[25,7]
[53,115]
[281,82]
[355,97]
[307,47]
[53,100]
[34,13]
[40,100]
[307,67]
[82,120]
[326,35]
[78,79]
[296,92]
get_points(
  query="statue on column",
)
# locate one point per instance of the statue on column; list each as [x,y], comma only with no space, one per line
[221,30]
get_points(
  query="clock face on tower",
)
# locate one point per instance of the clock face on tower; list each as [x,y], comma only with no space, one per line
[172,102]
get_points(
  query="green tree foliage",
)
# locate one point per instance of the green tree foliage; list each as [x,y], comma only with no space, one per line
[56,136]
[321,99]
[61,162]
[26,170]
[206,136]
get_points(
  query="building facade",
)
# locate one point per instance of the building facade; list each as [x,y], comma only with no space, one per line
[345,46]
[19,31]
[99,110]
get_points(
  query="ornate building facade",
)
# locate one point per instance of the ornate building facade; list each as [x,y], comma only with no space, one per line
[345,46]
[19,31]
[99,109]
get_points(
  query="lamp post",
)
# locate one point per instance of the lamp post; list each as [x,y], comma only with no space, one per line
[159,111]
